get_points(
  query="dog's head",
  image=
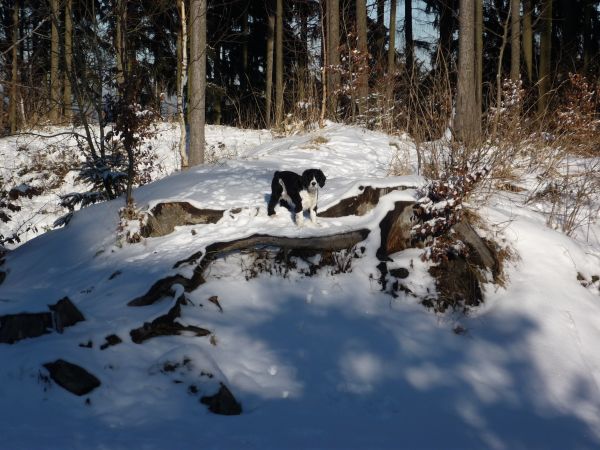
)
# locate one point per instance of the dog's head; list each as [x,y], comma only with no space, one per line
[312,177]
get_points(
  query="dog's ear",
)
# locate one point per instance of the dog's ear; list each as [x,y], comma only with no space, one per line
[306,177]
[320,176]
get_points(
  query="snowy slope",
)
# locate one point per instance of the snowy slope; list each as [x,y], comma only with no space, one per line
[317,362]
[49,159]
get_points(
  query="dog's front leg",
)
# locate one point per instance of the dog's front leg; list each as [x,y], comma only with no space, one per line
[313,215]
[299,209]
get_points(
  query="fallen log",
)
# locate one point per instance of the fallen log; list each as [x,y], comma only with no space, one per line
[163,287]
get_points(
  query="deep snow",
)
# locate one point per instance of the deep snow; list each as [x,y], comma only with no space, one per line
[317,362]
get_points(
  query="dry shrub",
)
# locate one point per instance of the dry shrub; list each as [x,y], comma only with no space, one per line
[569,163]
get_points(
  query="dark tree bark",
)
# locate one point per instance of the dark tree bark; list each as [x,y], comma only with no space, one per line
[408,37]
[68,43]
[515,40]
[14,80]
[269,64]
[391,63]
[279,63]
[197,80]
[545,57]
[381,37]
[54,59]
[363,69]
[528,38]
[333,80]
[468,116]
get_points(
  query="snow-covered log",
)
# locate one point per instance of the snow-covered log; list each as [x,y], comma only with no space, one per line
[163,287]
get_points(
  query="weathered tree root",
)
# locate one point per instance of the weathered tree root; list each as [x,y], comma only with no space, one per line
[163,287]
[166,325]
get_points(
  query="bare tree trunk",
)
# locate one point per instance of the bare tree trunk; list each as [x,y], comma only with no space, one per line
[479,54]
[181,81]
[303,58]
[13,99]
[445,43]
[545,57]
[54,58]
[587,36]
[408,37]
[509,19]
[515,40]
[67,94]
[381,38]
[120,33]
[391,57]
[363,69]
[528,38]
[279,64]
[269,74]
[197,80]
[246,34]
[324,62]
[468,116]
[391,65]
[2,111]
[333,79]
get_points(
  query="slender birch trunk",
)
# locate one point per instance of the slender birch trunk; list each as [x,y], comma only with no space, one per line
[181,82]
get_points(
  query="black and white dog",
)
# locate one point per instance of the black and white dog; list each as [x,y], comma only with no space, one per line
[300,191]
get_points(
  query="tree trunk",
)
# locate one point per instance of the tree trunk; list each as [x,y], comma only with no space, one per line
[408,37]
[391,62]
[467,120]
[303,57]
[246,34]
[2,111]
[269,70]
[197,81]
[333,80]
[528,39]
[279,64]
[67,94]
[479,55]
[499,69]
[587,36]
[381,30]
[445,43]
[54,59]
[120,36]
[391,66]
[14,81]
[363,51]
[515,41]
[545,57]
[181,81]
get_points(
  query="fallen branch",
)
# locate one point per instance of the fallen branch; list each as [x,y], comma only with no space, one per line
[163,287]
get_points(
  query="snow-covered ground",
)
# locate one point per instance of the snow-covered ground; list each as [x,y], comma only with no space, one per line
[327,361]
[49,159]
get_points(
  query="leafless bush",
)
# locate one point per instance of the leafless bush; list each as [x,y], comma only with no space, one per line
[570,166]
